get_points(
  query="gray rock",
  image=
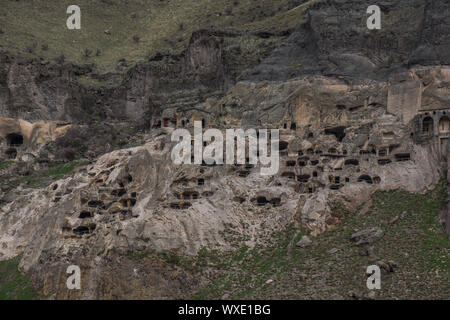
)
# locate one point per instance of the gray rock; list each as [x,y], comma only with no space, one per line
[304,242]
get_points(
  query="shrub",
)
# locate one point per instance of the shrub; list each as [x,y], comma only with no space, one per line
[60,59]
[30,48]
[68,154]
[87,52]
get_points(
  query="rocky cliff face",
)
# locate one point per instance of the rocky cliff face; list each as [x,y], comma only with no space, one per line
[358,111]
[335,41]
[34,89]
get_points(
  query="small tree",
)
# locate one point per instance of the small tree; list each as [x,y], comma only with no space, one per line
[31,47]
[60,59]
[136,38]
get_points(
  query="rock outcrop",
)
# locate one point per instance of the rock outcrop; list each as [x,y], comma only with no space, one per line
[335,41]
[361,111]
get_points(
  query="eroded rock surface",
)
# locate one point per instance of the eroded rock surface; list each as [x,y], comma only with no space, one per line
[353,119]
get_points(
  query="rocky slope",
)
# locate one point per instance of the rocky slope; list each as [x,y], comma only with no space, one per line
[358,111]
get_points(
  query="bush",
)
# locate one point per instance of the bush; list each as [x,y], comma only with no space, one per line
[87,52]
[32,47]
[60,59]
[68,154]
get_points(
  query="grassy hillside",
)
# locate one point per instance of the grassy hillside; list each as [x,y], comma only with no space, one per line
[333,267]
[13,284]
[137,28]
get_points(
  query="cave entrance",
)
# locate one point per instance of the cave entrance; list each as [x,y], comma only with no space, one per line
[401,157]
[351,162]
[11,153]
[14,140]
[338,132]
[283,145]
[383,162]
[289,175]
[444,124]
[290,163]
[261,201]
[303,178]
[365,178]
[276,202]
[427,125]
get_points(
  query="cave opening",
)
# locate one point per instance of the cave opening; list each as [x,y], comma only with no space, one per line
[14,140]
[261,201]
[185,205]
[303,178]
[338,132]
[243,173]
[276,202]
[400,157]
[351,162]
[96,204]
[383,162]
[283,145]
[289,175]
[365,178]
[427,125]
[84,229]
[11,153]
[290,163]
[85,215]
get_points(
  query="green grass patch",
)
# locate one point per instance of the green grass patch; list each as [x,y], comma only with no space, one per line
[38,179]
[38,27]
[13,284]
[4,164]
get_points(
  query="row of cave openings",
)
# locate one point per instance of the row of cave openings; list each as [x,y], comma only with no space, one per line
[338,132]
[305,161]
[100,206]
[334,180]
[188,196]
[172,123]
